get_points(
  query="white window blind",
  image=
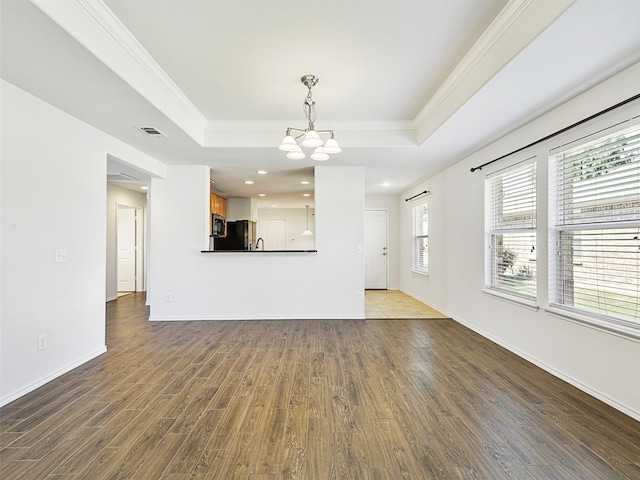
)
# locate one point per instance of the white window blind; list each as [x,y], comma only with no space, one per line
[596,227]
[511,230]
[421,238]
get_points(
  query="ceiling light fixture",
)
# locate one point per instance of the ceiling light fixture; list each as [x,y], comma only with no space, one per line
[306,230]
[309,137]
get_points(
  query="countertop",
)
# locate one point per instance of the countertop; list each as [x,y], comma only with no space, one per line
[258,251]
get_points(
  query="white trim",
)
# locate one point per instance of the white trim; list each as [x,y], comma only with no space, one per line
[495,48]
[182,318]
[96,28]
[52,376]
[386,226]
[130,44]
[521,301]
[547,368]
[111,299]
[426,274]
[480,49]
[556,373]
[602,325]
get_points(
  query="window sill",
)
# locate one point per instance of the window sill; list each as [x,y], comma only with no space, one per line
[612,328]
[426,274]
[523,302]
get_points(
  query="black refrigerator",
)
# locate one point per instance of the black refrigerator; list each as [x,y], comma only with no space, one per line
[241,235]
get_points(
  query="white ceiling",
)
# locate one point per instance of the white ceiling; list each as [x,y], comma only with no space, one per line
[409,87]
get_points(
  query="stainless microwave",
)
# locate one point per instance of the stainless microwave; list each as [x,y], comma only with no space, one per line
[218,225]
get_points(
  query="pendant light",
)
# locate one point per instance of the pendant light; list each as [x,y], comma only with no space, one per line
[307,231]
[309,137]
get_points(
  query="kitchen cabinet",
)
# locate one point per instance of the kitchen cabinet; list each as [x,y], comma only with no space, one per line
[218,204]
[218,207]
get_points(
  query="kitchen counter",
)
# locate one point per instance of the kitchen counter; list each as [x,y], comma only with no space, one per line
[258,251]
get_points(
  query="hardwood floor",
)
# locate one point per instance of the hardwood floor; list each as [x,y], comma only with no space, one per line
[310,399]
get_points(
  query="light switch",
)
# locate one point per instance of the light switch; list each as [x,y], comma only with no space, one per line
[359,249]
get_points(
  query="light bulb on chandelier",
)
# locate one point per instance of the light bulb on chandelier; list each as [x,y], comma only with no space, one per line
[309,137]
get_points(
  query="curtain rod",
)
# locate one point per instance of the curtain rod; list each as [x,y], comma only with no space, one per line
[635,97]
[426,192]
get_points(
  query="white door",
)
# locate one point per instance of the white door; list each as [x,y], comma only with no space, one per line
[126,245]
[274,233]
[375,249]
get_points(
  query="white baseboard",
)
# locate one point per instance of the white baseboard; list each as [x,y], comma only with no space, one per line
[547,368]
[23,391]
[556,373]
[110,299]
[168,318]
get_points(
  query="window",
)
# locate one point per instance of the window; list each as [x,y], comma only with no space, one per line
[595,221]
[511,230]
[421,238]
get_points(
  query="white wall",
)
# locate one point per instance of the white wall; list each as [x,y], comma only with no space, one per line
[239,208]
[254,285]
[53,196]
[602,364]
[391,203]
[296,222]
[117,196]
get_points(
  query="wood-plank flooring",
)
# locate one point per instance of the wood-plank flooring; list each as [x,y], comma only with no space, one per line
[309,399]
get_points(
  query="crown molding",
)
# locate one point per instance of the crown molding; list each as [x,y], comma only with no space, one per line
[519,22]
[112,25]
[94,26]
[219,125]
[270,133]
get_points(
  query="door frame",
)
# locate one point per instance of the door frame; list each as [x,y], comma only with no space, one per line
[140,250]
[386,212]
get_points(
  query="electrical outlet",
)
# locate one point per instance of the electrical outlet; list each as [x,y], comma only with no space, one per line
[42,342]
[359,295]
[168,297]
[61,255]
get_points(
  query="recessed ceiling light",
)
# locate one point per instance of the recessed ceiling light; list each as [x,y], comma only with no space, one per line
[306,194]
[274,205]
[261,172]
[249,182]
[305,182]
[385,184]
[144,187]
[262,194]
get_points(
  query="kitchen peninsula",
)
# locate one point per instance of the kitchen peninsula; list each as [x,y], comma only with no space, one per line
[258,251]
[187,284]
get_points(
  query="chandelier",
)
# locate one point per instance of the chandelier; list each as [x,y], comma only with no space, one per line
[309,137]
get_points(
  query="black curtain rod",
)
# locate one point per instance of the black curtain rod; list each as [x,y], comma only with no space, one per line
[635,97]
[426,192]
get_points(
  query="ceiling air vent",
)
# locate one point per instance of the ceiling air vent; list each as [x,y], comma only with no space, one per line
[151,131]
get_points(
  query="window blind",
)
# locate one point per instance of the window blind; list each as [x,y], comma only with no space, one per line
[421,238]
[512,228]
[596,225]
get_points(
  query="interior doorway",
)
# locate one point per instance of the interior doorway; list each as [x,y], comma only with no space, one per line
[376,249]
[273,232]
[129,242]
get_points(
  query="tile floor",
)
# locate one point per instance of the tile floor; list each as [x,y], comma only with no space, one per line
[395,304]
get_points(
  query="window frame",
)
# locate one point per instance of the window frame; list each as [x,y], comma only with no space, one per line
[420,262]
[522,231]
[575,225]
